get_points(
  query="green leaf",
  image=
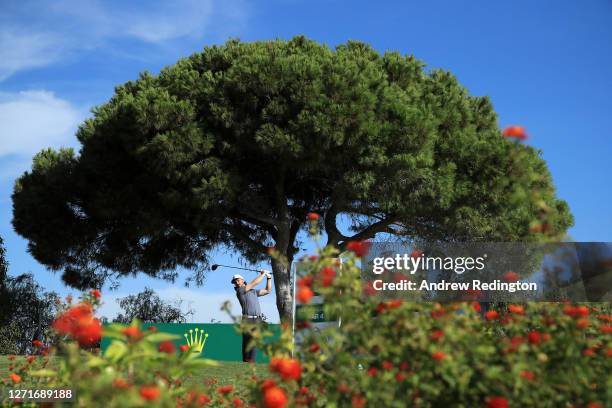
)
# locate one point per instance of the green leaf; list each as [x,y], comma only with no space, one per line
[200,362]
[116,351]
[95,362]
[43,373]
[159,337]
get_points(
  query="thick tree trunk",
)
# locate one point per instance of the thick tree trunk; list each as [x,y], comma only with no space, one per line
[284,290]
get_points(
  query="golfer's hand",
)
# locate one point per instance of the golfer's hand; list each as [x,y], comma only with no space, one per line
[266,272]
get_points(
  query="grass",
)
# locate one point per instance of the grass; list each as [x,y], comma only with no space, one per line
[227,372]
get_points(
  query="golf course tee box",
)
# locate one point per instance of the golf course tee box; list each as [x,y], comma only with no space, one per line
[221,341]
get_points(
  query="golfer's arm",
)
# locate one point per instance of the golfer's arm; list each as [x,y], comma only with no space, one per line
[254,283]
[267,290]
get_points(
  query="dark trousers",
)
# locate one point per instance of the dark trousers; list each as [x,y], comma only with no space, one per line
[249,352]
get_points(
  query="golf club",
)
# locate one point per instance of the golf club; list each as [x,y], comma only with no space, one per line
[215,266]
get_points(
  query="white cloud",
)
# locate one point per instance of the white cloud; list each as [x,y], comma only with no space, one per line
[206,305]
[31,121]
[151,22]
[51,31]
[22,50]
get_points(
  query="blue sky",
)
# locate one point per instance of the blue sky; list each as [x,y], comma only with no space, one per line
[545,65]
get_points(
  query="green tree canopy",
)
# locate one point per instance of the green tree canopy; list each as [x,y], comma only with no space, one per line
[235,145]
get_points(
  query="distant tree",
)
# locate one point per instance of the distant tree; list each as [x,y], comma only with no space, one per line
[235,145]
[26,311]
[149,308]
[3,287]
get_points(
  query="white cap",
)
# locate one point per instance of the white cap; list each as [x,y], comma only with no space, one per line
[237,276]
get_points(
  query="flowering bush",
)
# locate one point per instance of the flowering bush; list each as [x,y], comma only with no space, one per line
[399,354]
[390,353]
[139,367]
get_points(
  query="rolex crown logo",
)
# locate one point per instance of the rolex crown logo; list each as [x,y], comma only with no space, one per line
[196,339]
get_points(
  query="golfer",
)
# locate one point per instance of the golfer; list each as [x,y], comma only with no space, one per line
[251,312]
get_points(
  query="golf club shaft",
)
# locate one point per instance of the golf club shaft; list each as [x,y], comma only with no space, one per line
[237,267]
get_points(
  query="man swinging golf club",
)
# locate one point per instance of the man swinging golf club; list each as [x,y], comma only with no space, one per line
[251,311]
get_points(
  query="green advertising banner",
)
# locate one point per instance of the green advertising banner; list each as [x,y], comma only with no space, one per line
[221,341]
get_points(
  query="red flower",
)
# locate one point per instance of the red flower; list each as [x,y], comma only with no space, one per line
[183,348]
[69,299]
[515,342]
[387,365]
[582,323]
[516,309]
[360,248]
[31,359]
[605,328]
[436,335]
[149,393]
[438,355]
[497,402]
[582,311]
[327,275]
[314,347]
[437,313]
[305,294]
[358,401]
[588,352]
[302,324]
[534,337]
[132,332]
[312,216]
[492,315]
[399,376]
[416,253]
[368,289]
[120,383]
[275,397]
[11,358]
[516,132]
[96,293]
[226,389]
[152,328]
[511,276]
[372,371]
[237,402]
[404,365]
[288,369]
[80,324]
[394,304]
[593,405]
[528,375]
[38,343]
[305,282]
[476,307]
[267,384]
[167,347]
[16,378]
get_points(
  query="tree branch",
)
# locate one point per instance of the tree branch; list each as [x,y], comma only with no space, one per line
[334,236]
[369,232]
[239,233]
[268,227]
